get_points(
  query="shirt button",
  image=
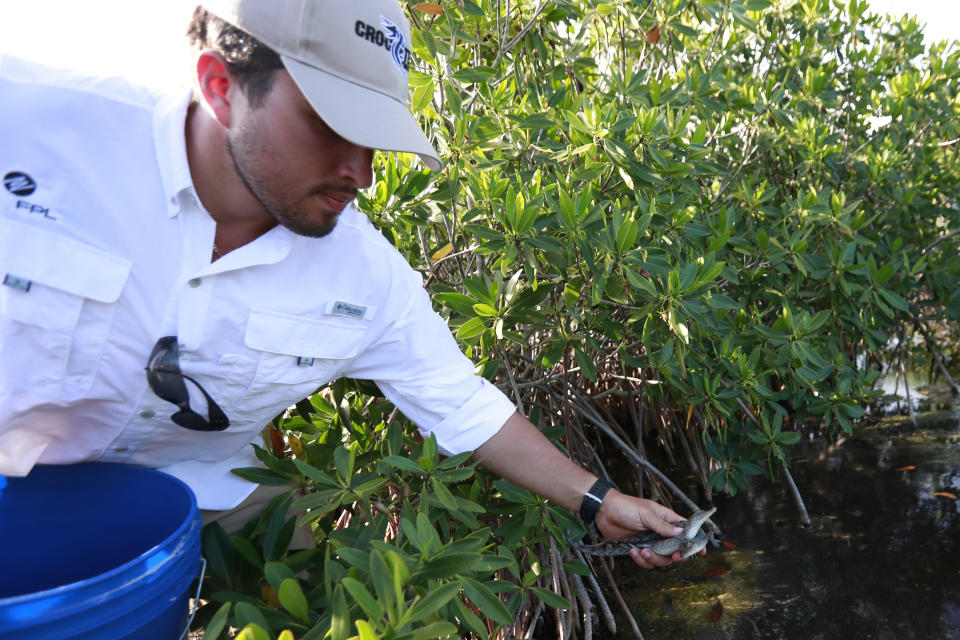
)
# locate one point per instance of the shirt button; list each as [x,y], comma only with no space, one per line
[194,282]
[121,449]
[147,413]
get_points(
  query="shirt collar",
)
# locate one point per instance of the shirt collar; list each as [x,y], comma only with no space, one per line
[170,142]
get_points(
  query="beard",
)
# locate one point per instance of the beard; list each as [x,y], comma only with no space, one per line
[256,167]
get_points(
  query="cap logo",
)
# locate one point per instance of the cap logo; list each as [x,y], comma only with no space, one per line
[398,45]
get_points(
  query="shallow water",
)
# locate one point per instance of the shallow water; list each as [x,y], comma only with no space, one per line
[880,560]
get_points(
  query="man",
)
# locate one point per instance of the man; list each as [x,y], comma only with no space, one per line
[212,239]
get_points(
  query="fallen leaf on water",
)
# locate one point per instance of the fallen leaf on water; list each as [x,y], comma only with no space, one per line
[909,467]
[717,571]
[729,545]
[716,611]
[944,494]
[429,7]
[653,35]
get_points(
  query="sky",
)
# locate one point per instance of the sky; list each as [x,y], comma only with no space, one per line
[144,38]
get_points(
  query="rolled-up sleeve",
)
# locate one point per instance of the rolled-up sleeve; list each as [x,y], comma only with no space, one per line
[420,368]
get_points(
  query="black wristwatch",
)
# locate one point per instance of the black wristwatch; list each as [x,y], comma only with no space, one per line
[592,500]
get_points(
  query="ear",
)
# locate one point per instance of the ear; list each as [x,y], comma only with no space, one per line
[215,81]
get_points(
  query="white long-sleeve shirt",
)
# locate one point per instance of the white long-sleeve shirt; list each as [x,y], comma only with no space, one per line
[105,247]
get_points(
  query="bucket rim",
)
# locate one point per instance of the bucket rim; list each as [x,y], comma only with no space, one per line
[191,520]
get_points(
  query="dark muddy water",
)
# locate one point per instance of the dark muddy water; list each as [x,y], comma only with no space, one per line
[881,559]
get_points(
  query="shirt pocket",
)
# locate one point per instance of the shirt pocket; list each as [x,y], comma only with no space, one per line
[297,355]
[56,307]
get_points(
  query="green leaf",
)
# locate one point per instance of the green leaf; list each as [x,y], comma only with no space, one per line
[366,601]
[457,301]
[217,549]
[471,620]
[340,622]
[473,74]
[894,300]
[449,565]
[439,629]
[260,475]
[218,623]
[484,599]
[404,464]
[253,631]
[276,573]
[433,601]
[292,599]
[443,494]
[471,328]
[246,614]
[550,598]
[365,630]
[382,580]
[316,474]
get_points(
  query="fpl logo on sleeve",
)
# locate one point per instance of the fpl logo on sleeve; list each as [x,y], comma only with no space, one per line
[19,183]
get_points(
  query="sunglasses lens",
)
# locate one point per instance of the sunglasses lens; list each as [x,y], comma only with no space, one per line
[167,386]
[167,382]
[192,420]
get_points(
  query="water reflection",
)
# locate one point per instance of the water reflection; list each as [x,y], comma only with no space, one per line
[880,560]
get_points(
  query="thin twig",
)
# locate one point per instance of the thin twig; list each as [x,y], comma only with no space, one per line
[591,416]
[903,374]
[937,357]
[794,490]
[940,239]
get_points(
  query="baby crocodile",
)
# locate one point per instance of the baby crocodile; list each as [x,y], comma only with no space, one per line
[688,543]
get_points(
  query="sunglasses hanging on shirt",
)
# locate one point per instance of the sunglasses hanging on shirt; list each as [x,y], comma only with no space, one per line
[167,382]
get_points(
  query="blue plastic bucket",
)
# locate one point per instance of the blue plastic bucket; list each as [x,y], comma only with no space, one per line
[96,551]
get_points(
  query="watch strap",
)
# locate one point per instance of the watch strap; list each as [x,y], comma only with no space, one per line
[592,500]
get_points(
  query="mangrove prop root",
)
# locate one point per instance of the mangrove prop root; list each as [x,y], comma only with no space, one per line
[797,498]
[601,599]
[586,606]
[623,605]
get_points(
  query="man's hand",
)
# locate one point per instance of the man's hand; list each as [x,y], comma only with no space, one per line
[623,516]
[521,454]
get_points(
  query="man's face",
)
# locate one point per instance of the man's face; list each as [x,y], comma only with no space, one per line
[299,170]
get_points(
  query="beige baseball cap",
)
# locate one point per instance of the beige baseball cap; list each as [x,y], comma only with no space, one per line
[350,58]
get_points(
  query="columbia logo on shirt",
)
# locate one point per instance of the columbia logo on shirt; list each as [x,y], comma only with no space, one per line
[347,309]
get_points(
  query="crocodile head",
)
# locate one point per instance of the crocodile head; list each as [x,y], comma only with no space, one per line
[692,526]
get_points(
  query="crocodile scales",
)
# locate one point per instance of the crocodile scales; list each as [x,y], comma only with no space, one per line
[688,543]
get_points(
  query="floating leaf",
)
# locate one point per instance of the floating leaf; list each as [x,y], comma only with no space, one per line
[716,611]
[717,571]
[428,7]
[909,467]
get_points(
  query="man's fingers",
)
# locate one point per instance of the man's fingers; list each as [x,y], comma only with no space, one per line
[648,559]
[664,528]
